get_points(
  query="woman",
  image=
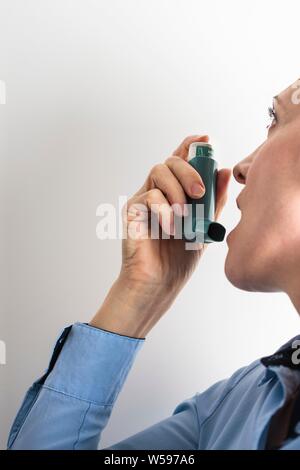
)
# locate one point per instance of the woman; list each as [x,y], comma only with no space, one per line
[259,406]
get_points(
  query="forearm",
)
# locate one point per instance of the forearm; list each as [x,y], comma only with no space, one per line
[132,308]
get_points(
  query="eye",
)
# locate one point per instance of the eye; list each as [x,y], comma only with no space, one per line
[272,117]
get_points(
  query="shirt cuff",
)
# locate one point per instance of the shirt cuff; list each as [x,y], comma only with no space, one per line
[93,364]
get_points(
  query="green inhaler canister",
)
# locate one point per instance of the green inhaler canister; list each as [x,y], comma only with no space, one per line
[199,224]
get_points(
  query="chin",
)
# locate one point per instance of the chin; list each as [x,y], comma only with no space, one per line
[234,268]
[246,275]
[240,268]
[238,272]
[235,274]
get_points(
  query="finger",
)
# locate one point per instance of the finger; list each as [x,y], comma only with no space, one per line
[161,177]
[187,176]
[223,179]
[183,149]
[182,152]
[153,201]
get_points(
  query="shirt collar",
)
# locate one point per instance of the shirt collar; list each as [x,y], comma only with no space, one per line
[287,355]
[284,356]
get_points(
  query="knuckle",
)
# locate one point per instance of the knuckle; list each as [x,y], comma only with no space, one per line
[128,204]
[153,194]
[130,210]
[188,139]
[130,207]
[172,160]
[158,168]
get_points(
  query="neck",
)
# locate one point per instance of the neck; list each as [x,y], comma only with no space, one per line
[291,288]
[295,299]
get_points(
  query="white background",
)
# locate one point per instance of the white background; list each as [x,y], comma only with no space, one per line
[97,93]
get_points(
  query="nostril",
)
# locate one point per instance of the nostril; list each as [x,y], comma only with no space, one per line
[241,178]
[239,175]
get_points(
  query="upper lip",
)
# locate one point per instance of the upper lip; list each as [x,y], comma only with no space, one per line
[237,203]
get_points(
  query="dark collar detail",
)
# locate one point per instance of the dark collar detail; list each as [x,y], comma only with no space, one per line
[288,355]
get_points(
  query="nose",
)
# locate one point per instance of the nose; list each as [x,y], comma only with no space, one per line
[241,169]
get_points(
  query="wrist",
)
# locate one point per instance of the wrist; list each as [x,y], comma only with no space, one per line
[132,308]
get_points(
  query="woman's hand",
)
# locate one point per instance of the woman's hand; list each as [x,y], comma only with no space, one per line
[154,271]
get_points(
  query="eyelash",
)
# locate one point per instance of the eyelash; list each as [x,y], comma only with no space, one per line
[273,116]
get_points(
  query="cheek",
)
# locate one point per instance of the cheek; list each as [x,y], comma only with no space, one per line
[266,194]
[265,238]
[262,183]
[269,221]
[254,243]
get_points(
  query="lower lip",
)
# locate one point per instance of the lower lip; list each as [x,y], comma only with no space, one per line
[229,235]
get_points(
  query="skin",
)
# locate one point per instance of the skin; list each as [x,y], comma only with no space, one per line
[263,249]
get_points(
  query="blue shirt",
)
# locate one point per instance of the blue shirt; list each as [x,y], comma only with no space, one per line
[71,404]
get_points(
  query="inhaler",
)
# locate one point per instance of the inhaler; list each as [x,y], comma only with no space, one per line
[199,224]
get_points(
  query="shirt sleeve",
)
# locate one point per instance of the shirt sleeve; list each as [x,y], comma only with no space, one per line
[180,431]
[71,404]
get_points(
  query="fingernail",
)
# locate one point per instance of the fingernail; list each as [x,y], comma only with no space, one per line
[197,190]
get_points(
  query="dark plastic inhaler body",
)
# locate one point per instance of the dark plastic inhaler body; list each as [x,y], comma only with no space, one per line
[199,225]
